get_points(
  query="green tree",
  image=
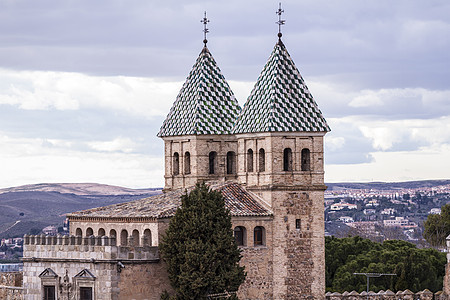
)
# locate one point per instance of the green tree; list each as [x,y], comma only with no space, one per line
[199,248]
[437,227]
[416,269]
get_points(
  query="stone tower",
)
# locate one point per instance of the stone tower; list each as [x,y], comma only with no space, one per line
[198,143]
[280,153]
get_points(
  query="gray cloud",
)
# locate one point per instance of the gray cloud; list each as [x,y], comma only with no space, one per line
[372,44]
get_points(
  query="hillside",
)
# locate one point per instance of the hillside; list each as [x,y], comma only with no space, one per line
[387,185]
[32,207]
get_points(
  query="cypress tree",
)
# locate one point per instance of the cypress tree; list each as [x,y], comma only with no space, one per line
[199,248]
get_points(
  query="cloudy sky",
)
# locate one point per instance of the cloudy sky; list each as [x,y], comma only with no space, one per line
[85,85]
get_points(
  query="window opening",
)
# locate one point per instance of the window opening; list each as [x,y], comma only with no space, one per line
[212,162]
[89,231]
[249,160]
[262,160]
[101,232]
[135,235]
[176,163]
[297,224]
[287,159]
[49,292]
[187,163]
[258,236]
[85,293]
[231,162]
[306,160]
[124,238]
[239,235]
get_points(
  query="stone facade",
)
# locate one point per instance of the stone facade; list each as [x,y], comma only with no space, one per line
[70,263]
[187,159]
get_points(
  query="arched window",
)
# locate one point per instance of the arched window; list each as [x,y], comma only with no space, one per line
[101,232]
[249,160]
[176,163]
[306,160]
[78,232]
[231,162]
[240,235]
[287,159]
[124,238]
[259,236]
[112,233]
[187,163]
[147,237]
[135,235]
[89,231]
[262,160]
[212,162]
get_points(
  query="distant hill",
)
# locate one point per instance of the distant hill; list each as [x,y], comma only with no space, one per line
[32,207]
[387,185]
[79,189]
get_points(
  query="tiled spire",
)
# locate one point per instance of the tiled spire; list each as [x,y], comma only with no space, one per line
[280,100]
[205,104]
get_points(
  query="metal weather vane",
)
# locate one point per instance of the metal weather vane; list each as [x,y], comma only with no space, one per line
[205,21]
[280,22]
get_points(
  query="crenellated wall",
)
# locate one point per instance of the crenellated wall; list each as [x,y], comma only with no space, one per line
[92,248]
[113,267]
[385,295]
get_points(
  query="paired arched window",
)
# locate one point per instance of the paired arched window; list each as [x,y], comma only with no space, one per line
[259,236]
[231,162]
[212,162]
[187,163]
[101,232]
[240,235]
[147,237]
[124,238]
[89,231]
[135,235]
[78,232]
[287,159]
[249,160]
[176,163]
[262,160]
[306,160]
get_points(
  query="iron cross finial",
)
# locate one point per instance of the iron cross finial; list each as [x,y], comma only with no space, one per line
[280,22]
[205,21]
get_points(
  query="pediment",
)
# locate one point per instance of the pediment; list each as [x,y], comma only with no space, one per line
[48,273]
[85,273]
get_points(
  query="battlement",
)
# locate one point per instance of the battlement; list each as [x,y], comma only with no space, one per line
[89,249]
[384,295]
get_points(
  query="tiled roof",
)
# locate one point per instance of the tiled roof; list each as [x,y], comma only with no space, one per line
[239,201]
[205,104]
[280,100]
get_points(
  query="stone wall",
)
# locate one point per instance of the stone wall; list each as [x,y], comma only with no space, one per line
[107,268]
[199,147]
[257,259]
[11,285]
[385,295]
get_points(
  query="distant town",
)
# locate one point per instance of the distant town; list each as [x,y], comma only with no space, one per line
[383,212]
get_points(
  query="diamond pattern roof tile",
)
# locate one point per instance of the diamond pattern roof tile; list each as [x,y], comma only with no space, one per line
[280,101]
[205,103]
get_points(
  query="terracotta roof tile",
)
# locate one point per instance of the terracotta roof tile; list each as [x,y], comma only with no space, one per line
[238,200]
